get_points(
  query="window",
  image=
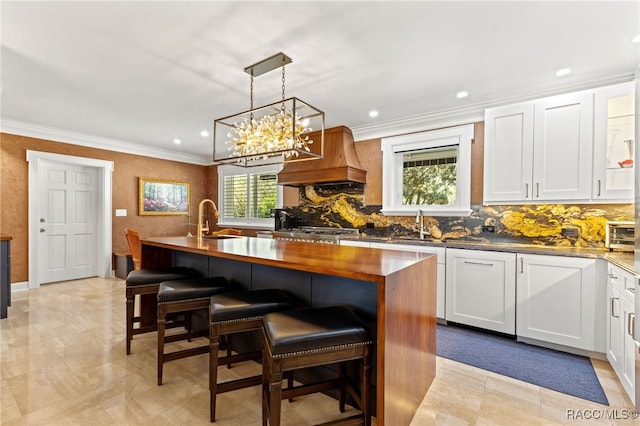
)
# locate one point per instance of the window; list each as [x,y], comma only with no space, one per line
[428,171]
[247,195]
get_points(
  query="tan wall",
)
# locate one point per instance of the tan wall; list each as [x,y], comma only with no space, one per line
[14,185]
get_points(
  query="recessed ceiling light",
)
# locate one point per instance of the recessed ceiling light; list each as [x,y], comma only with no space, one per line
[563,71]
[204,133]
[636,39]
[373,113]
[462,94]
[177,141]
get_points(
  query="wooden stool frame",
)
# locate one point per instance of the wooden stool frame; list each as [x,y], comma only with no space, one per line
[274,369]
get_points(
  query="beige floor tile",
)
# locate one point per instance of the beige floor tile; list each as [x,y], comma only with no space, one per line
[63,362]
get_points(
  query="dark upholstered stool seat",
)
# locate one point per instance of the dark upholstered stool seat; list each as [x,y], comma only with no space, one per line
[238,312]
[139,277]
[196,288]
[147,281]
[311,330]
[245,305]
[308,338]
[185,296]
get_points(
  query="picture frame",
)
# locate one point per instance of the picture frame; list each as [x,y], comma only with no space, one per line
[158,197]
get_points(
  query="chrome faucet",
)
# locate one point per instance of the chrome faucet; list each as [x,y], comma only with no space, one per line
[420,220]
[205,228]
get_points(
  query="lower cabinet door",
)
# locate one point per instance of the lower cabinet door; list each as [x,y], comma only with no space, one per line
[480,289]
[615,329]
[628,363]
[557,300]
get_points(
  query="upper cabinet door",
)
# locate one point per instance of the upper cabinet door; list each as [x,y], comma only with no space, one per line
[563,148]
[508,153]
[613,128]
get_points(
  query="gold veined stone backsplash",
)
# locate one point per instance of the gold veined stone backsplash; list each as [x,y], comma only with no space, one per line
[542,224]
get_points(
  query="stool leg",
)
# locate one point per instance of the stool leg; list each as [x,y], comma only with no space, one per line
[130,299]
[266,373]
[342,377]
[229,340]
[275,392]
[162,313]
[214,344]
[187,319]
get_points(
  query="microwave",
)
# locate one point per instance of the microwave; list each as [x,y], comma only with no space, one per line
[620,236]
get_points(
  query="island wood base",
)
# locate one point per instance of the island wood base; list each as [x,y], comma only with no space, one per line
[393,291]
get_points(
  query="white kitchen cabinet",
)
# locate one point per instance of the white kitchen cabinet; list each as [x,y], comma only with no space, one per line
[539,151]
[615,328]
[557,301]
[508,153]
[628,371]
[440,279]
[613,135]
[481,289]
[621,346]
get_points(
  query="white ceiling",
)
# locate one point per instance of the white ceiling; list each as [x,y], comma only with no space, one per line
[132,76]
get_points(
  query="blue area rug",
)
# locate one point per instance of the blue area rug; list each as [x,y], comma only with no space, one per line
[559,371]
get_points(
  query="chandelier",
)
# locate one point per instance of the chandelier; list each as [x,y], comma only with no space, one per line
[274,133]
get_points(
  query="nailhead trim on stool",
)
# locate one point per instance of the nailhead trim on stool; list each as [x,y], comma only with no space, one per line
[232,313]
[309,338]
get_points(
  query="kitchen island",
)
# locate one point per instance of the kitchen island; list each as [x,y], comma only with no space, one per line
[393,291]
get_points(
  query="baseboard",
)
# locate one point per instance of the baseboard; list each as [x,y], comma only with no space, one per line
[563,348]
[19,286]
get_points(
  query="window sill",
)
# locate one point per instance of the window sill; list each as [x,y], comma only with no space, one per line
[449,211]
[244,225]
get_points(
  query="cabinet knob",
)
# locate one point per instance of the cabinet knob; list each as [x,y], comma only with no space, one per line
[41,229]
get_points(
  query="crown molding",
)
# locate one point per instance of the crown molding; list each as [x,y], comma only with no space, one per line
[76,138]
[471,113]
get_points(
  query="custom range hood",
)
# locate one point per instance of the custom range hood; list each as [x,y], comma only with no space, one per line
[339,165]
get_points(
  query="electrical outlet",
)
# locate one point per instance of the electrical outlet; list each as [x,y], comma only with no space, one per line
[488,228]
[571,232]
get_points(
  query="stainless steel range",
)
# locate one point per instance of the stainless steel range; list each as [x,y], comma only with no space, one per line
[314,234]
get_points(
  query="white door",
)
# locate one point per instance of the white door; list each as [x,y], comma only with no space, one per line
[67,224]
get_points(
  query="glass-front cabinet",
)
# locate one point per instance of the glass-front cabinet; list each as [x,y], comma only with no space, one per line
[614,143]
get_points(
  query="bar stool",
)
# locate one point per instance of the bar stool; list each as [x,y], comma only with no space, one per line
[232,313]
[185,296]
[308,338]
[146,281]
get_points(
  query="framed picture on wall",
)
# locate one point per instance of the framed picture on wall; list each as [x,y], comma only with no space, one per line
[163,197]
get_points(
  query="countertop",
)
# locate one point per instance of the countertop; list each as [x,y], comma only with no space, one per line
[336,260]
[624,260]
[5,237]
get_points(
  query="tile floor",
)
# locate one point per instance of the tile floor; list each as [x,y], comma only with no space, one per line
[63,362]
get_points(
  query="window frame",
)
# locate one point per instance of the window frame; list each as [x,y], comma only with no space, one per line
[226,170]
[393,149]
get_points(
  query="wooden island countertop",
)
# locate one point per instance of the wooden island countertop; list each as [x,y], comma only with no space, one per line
[330,259]
[404,298]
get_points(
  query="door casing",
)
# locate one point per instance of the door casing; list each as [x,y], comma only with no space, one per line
[104,222]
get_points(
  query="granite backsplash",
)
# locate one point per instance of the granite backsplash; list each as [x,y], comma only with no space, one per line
[564,225]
